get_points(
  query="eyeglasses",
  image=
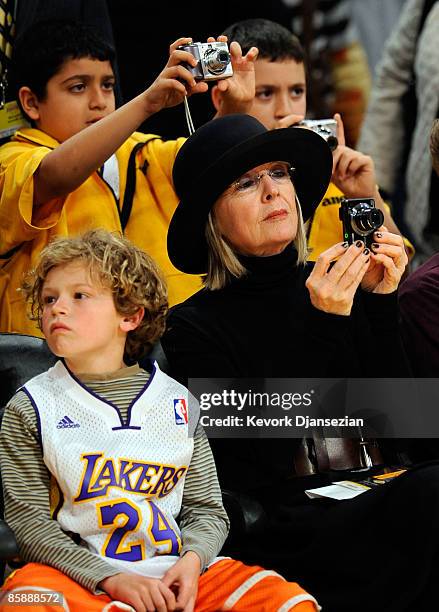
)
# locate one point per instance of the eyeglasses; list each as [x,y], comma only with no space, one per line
[278,172]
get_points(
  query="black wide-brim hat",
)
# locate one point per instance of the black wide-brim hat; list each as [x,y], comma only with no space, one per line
[216,155]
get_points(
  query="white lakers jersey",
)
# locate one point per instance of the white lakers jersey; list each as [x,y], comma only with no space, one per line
[122,483]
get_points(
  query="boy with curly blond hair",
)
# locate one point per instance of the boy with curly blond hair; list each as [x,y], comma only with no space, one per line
[114,503]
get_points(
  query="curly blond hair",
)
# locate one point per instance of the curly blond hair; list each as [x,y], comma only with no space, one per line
[130,274]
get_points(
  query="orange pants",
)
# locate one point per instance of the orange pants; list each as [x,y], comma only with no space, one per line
[227,585]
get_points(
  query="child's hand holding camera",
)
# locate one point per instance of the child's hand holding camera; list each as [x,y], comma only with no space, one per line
[175,81]
[352,172]
[236,94]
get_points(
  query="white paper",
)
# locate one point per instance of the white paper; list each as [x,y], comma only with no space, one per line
[345,489]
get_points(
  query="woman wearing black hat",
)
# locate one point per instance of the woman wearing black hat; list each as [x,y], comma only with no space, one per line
[244,194]
[264,312]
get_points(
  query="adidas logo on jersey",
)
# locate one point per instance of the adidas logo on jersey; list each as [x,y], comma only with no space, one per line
[66,423]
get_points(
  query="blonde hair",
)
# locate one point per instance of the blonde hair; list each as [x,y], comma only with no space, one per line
[434,145]
[223,263]
[130,274]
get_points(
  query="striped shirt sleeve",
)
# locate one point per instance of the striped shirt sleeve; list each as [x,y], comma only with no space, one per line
[204,523]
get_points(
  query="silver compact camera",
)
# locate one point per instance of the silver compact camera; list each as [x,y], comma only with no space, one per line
[326,128]
[213,61]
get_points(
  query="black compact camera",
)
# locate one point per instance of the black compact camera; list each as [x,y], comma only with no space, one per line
[360,219]
[214,61]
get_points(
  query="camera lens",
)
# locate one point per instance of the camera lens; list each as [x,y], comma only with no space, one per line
[217,61]
[365,220]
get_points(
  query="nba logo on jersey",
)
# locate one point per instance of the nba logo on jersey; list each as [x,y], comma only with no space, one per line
[180,411]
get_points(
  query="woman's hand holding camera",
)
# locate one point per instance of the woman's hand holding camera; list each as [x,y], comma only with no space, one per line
[387,263]
[175,81]
[332,287]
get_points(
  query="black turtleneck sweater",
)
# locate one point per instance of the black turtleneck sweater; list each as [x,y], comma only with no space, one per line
[264,325]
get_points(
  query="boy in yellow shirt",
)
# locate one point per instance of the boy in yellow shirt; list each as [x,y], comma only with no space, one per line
[82,165]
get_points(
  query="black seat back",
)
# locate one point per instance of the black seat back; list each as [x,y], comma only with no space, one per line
[21,358]
[157,354]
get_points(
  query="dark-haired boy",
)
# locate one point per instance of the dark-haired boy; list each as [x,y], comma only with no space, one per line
[279,101]
[81,166]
